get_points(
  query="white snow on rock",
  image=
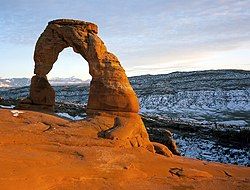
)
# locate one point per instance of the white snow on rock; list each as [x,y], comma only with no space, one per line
[234,122]
[7,107]
[16,112]
[66,115]
[214,106]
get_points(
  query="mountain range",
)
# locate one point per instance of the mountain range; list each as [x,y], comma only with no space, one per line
[57,81]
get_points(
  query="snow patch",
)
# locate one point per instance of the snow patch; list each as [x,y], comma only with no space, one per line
[7,107]
[66,115]
[233,122]
[16,112]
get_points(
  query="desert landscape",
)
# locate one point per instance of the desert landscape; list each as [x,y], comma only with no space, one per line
[41,151]
[172,112]
[108,149]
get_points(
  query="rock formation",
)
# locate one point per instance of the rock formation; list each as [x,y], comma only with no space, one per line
[42,151]
[130,131]
[110,89]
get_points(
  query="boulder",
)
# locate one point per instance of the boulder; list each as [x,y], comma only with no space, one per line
[130,131]
[162,149]
[170,143]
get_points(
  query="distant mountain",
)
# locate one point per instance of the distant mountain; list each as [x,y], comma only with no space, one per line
[14,82]
[21,82]
[67,81]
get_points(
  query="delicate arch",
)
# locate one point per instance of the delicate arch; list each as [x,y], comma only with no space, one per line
[110,89]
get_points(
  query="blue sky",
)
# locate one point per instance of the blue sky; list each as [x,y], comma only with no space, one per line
[149,37]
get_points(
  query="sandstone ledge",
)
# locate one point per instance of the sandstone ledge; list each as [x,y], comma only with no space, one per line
[41,151]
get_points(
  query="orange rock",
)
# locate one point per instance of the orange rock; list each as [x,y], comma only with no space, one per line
[110,88]
[130,130]
[41,91]
[42,151]
[162,149]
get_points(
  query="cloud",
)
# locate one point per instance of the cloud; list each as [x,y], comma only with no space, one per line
[140,32]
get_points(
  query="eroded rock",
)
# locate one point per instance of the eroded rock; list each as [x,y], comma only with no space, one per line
[41,91]
[162,149]
[130,130]
[110,89]
[171,143]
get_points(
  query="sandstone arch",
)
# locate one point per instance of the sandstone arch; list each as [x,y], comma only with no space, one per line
[111,95]
[110,89]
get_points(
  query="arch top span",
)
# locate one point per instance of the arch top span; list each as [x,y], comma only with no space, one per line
[87,25]
[110,89]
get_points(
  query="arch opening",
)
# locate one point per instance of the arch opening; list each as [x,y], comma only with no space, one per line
[70,64]
[70,73]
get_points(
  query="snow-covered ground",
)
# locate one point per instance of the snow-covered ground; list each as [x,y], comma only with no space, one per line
[230,107]
[67,116]
[210,150]
[7,107]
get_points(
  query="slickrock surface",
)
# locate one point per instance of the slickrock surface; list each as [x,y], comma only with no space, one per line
[41,151]
[110,89]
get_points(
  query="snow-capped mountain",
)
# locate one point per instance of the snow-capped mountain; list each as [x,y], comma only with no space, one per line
[20,82]
[14,82]
[67,81]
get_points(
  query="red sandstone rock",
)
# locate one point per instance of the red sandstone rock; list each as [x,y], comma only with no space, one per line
[110,89]
[162,149]
[41,151]
[130,130]
[41,92]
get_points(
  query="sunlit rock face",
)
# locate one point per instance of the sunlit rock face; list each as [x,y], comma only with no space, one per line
[110,89]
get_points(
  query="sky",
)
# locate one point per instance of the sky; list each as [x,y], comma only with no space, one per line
[148,37]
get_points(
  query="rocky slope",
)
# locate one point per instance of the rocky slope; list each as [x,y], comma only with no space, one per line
[40,151]
[207,97]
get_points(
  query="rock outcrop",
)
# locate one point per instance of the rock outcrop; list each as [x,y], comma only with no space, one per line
[41,151]
[162,149]
[130,131]
[110,89]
